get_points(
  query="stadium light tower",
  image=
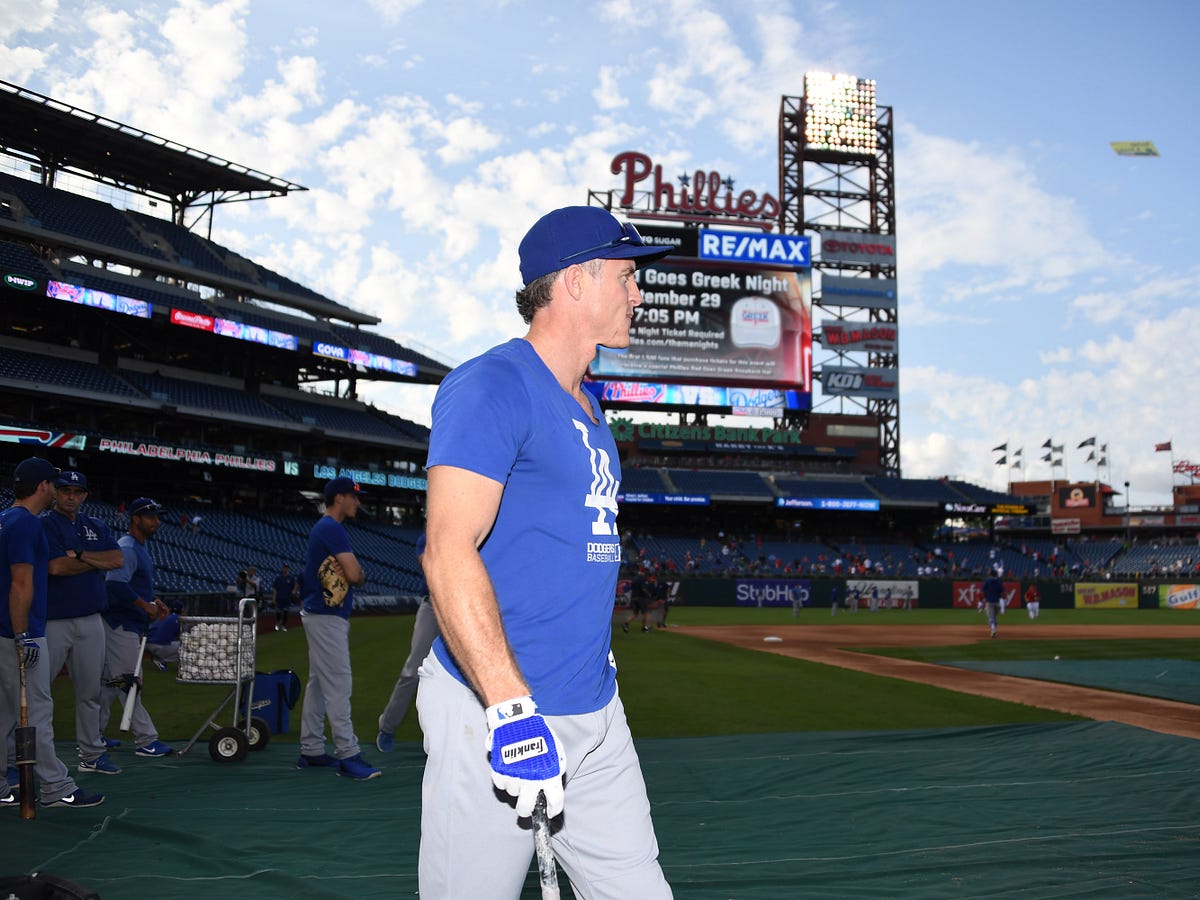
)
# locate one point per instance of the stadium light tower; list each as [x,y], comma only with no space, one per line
[837,176]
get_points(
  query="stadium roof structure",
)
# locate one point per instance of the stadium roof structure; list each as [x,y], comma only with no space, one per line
[59,136]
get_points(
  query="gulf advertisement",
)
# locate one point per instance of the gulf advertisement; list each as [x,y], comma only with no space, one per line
[1179,596]
[969,595]
[717,322]
[1106,596]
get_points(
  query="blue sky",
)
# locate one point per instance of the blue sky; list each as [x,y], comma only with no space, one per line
[1046,285]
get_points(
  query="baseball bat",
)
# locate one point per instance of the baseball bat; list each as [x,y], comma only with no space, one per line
[25,739]
[131,697]
[547,871]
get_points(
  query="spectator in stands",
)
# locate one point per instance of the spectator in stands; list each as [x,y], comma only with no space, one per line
[425,631]
[82,549]
[132,607]
[253,584]
[331,573]
[284,592]
[518,670]
[196,522]
[24,562]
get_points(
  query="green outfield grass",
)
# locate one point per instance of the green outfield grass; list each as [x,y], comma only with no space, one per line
[677,686]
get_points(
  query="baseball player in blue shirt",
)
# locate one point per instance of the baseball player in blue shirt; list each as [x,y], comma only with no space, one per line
[24,561]
[331,573]
[132,606]
[82,549]
[522,556]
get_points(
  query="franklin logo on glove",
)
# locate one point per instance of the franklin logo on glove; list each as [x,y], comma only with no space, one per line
[515,753]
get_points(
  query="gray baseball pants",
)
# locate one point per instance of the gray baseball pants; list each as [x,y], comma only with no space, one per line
[473,845]
[327,693]
[425,631]
[56,781]
[121,649]
[79,644]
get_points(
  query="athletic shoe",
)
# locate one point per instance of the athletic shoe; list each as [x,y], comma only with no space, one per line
[154,748]
[357,768]
[317,761]
[101,764]
[625,627]
[9,798]
[385,741]
[79,798]
[158,664]
[109,743]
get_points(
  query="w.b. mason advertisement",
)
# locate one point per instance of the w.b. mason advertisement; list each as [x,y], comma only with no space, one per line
[720,322]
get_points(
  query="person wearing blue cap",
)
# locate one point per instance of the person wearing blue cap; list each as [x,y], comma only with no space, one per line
[24,565]
[132,607]
[82,549]
[522,556]
[331,573]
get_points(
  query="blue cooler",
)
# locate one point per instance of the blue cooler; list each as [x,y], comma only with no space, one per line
[275,694]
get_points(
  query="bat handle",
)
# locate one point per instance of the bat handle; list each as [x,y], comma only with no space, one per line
[547,871]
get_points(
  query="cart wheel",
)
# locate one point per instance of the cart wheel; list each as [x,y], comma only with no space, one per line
[259,733]
[228,745]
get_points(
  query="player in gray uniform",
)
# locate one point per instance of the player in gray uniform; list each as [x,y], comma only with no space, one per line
[82,549]
[425,631]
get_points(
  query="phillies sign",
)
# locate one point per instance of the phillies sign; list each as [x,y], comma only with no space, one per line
[708,191]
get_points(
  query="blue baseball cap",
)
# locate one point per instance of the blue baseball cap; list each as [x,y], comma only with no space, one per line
[33,471]
[144,506]
[576,234]
[68,478]
[341,485]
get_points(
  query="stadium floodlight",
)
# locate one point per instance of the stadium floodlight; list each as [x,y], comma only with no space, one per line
[839,113]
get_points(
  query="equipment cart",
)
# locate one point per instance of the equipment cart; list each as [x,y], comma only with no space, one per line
[215,650]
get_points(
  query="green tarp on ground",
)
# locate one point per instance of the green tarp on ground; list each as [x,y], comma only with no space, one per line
[1065,810]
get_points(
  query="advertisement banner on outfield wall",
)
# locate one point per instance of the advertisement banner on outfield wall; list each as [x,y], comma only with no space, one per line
[865,293]
[1106,596]
[1179,596]
[772,592]
[969,595]
[875,593]
[858,247]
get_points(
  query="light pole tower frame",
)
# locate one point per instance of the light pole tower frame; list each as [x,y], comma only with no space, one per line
[847,190]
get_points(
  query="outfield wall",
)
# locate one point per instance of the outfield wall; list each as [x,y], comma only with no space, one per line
[936,593]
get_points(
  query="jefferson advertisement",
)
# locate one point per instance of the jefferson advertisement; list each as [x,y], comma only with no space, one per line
[717,322]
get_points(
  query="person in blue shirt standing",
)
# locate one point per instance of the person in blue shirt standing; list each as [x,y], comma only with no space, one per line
[993,594]
[522,556]
[283,591]
[132,607]
[24,569]
[331,572]
[82,549]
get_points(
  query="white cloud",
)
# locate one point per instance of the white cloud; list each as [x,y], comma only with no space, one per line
[607,93]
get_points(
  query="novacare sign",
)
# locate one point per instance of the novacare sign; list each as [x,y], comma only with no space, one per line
[748,247]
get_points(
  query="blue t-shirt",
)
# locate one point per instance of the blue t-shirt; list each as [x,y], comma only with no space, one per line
[993,590]
[22,542]
[134,580]
[328,537]
[164,630]
[283,587]
[554,552]
[72,596]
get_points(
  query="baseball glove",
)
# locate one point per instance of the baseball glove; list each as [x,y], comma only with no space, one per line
[333,581]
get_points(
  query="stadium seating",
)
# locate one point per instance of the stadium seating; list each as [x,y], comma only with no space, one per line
[735,485]
[58,371]
[73,215]
[211,397]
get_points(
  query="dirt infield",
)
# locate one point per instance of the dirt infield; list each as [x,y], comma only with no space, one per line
[827,643]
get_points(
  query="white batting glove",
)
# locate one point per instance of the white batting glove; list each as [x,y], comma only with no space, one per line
[526,756]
